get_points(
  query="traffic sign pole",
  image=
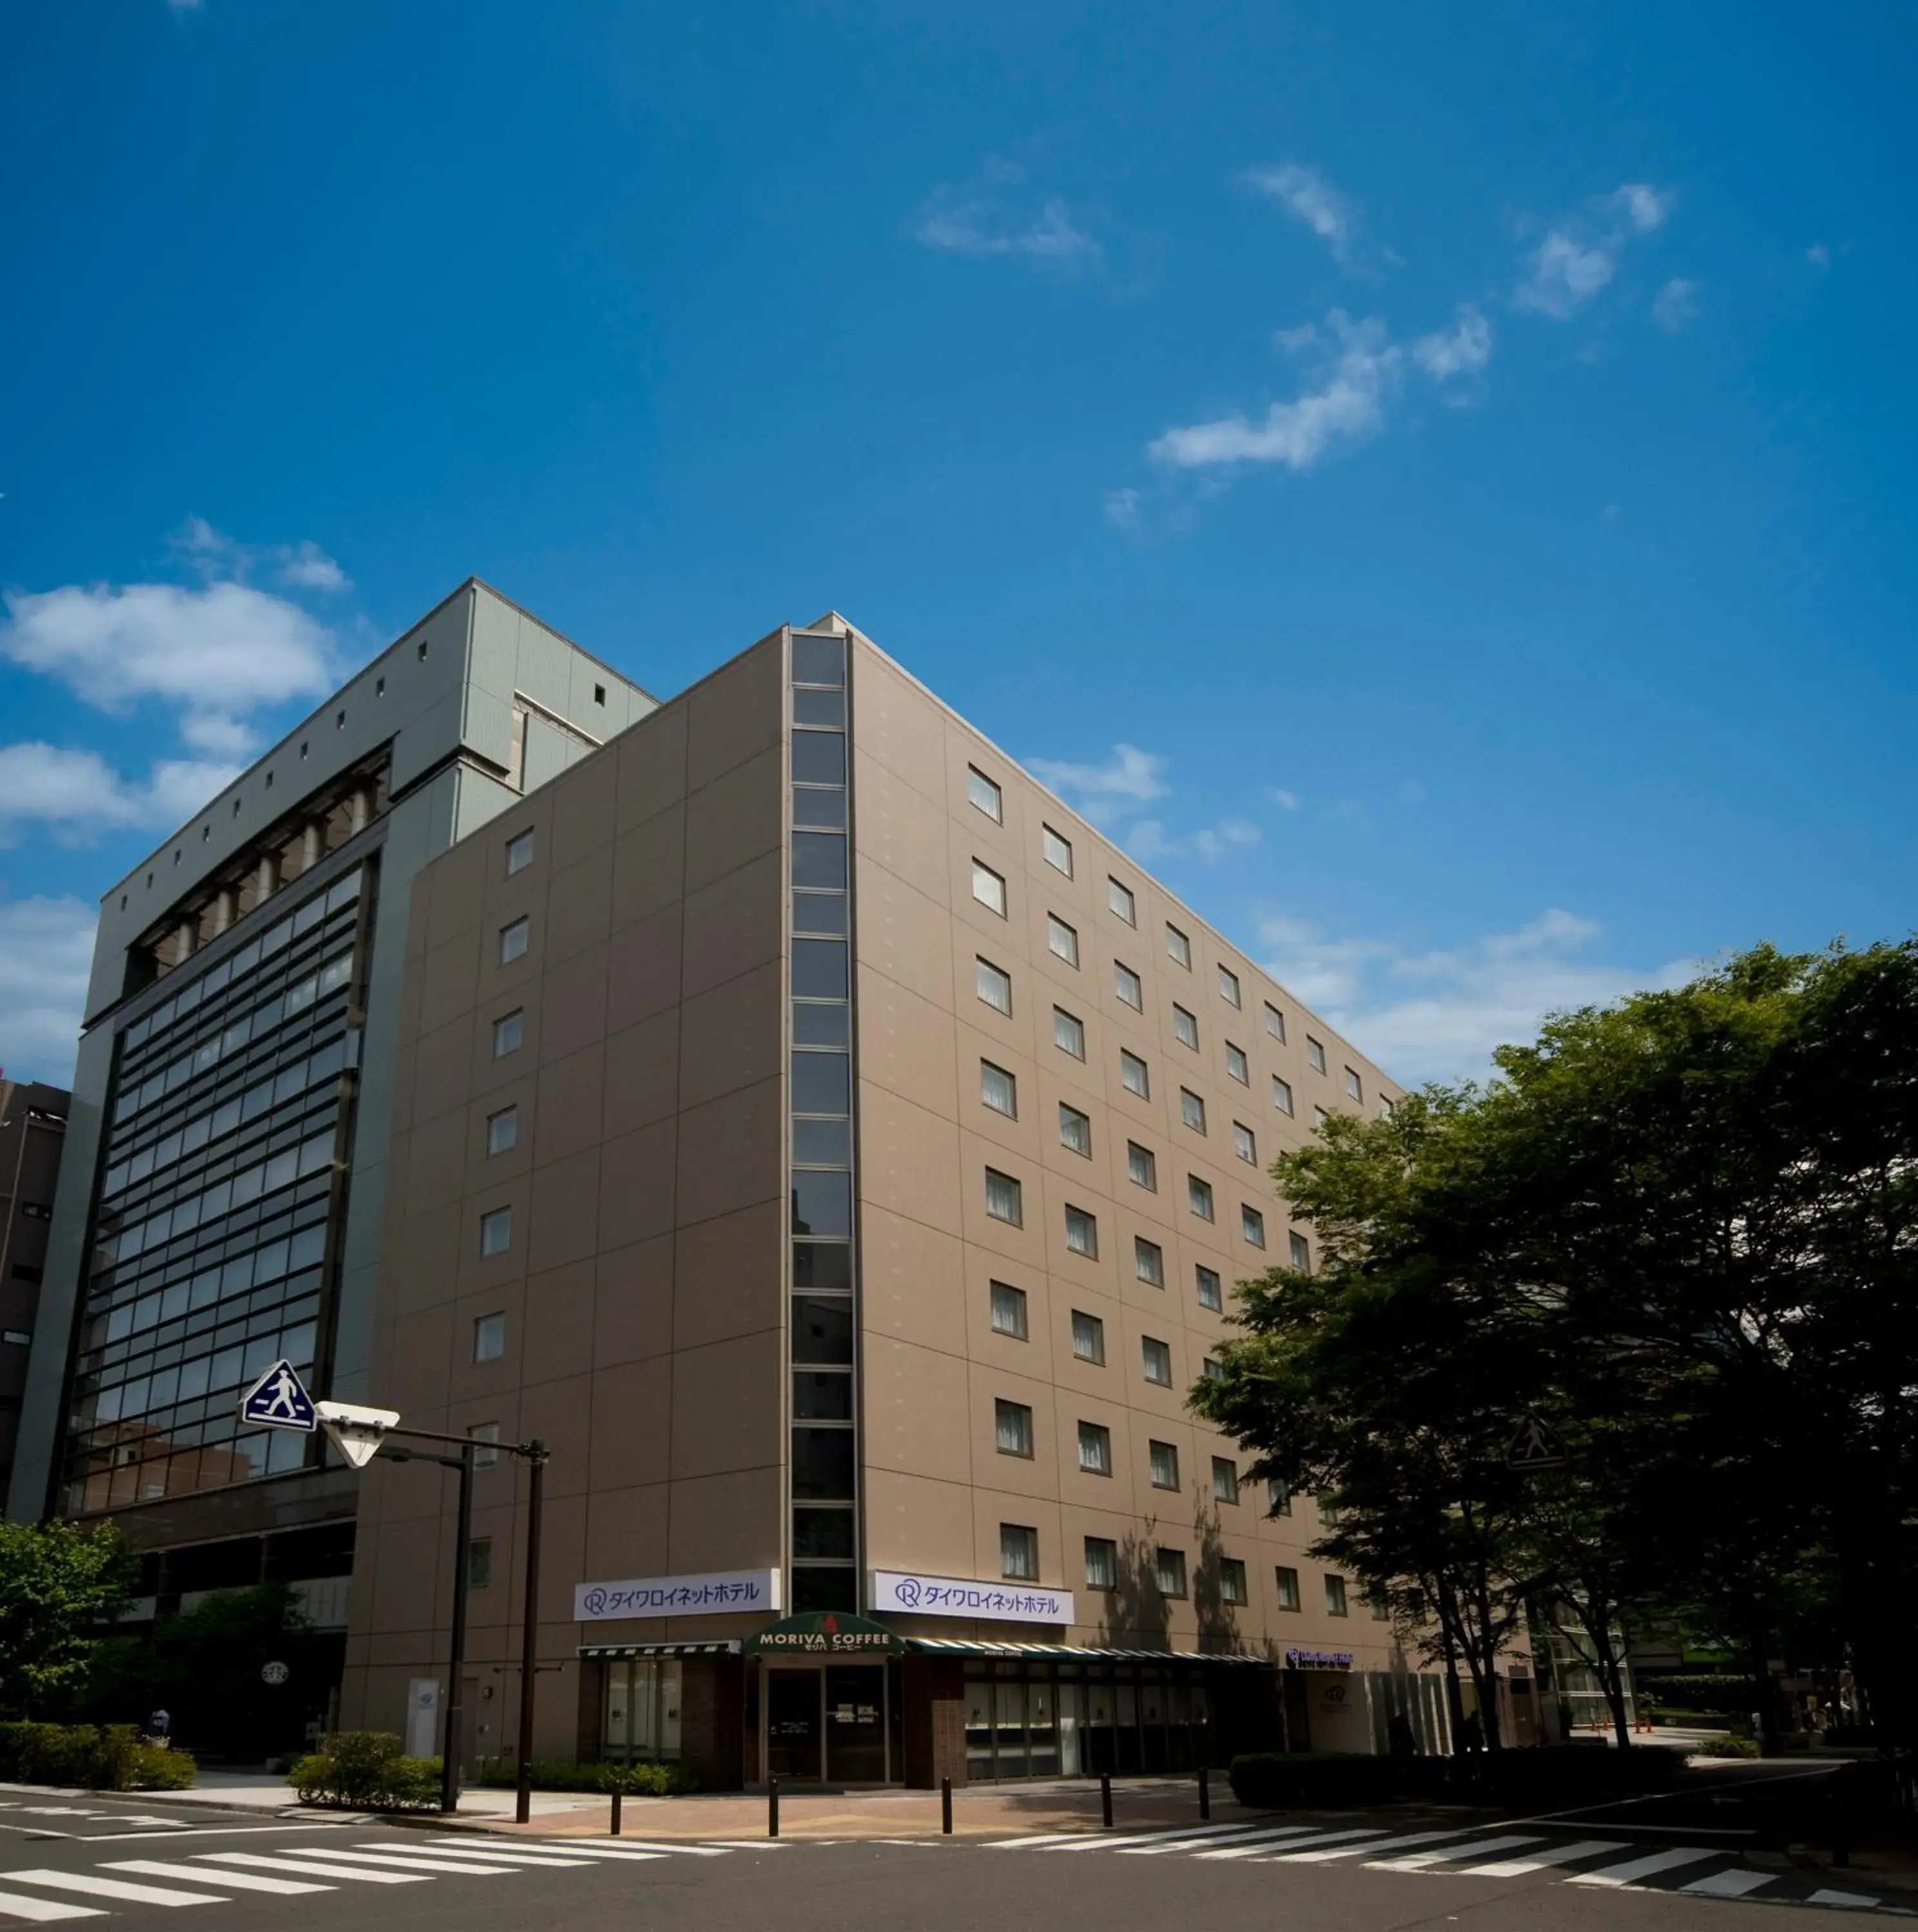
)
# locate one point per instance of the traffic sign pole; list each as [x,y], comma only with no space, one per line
[449,1763]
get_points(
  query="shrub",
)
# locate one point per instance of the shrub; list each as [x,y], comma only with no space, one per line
[634,1780]
[91,1757]
[366,1770]
[1728,1697]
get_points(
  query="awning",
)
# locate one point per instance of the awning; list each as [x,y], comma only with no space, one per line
[730,1647]
[1071,1653]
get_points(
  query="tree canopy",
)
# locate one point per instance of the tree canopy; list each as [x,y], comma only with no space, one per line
[1679,1231]
[58,1582]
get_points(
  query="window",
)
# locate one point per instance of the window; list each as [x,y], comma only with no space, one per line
[1075,1129]
[1301,1253]
[1133,1075]
[1148,1261]
[1388,1106]
[513,940]
[1252,1225]
[1334,1596]
[1319,1117]
[1095,1449]
[1231,1581]
[1169,1571]
[489,1338]
[1102,1563]
[1244,1145]
[599,694]
[1009,1310]
[1019,1552]
[985,794]
[1380,1608]
[508,1033]
[1120,898]
[1088,1338]
[1209,1292]
[1061,939]
[1162,1459]
[998,1089]
[1275,1022]
[1058,850]
[503,1130]
[479,1563]
[1126,984]
[1142,1169]
[1278,1497]
[495,1231]
[1068,1034]
[1282,1094]
[1178,948]
[1212,1369]
[1192,1110]
[487,1434]
[1236,1065]
[1225,1479]
[519,853]
[988,888]
[1354,1085]
[1287,1581]
[1185,1028]
[1156,1360]
[1002,1197]
[1012,1428]
[1229,988]
[1081,1233]
[1315,1054]
[992,986]
[1199,1196]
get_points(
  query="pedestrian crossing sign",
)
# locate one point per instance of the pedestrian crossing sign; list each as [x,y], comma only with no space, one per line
[279,1400]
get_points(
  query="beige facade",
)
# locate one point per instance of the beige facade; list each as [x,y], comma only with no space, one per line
[634,1311]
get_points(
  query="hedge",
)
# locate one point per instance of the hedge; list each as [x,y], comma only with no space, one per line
[1728,1697]
[90,1756]
[634,1780]
[367,1770]
[1538,1778]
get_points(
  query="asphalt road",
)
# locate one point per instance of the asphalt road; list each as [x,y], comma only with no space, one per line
[110,1857]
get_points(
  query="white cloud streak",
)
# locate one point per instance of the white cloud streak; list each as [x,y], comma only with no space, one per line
[1125,782]
[1580,253]
[1305,194]
[77,795]
[989,217]
[46,953]
[1463,349]
[1675,305]
[1150,844]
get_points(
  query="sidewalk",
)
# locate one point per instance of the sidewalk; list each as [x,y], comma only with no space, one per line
[260,1792]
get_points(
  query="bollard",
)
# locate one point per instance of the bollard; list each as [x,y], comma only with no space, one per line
[1204,1794]
[946,1806]
[619,1799]
[1105,1797]
[772,1807]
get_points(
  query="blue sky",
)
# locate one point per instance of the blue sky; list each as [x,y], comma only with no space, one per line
[1436,481]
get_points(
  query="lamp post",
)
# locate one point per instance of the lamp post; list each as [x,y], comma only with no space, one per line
[449,1756]
[535,1453]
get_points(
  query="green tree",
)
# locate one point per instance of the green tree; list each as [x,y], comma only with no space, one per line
[57,1583]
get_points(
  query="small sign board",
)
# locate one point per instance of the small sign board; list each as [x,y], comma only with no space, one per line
[1298,1658]
[1535,1447]
[825,1634]
[279,1400]
[357,1432]
[273,1672]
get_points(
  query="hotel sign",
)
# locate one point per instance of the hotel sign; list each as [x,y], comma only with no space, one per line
[954,1597]
[1318,1659]
[718,1593]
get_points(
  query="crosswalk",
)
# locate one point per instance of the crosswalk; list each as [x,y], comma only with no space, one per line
[42,1895]
[1515,1851]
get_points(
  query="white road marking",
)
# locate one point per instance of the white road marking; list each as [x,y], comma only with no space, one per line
[219,1831]
[310,1867]
[1257,1847]
[1557,1855]
[17,1905]
[1379,1845]
[1730,1884]
[449,1853]
[115,1887]
[1097,1841]
[1424,1861]
[1233,1834]
[413,1861]
[1638,1868]
[597,1848]
[1856,1900]
[239,1881]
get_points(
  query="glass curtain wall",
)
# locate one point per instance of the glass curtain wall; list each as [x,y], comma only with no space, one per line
[229,1120]
[1036,1719]
[824,1460]
[642,1714]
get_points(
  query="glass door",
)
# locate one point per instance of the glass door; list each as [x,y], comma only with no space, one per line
[792,1724]
[856,1723]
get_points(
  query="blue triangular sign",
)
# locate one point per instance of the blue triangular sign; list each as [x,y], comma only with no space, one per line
[279,1399]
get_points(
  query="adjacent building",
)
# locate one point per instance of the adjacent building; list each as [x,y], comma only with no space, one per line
[842,1154]
[225,1189]
[33,1133]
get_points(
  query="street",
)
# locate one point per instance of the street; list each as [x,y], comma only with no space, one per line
[81,1857]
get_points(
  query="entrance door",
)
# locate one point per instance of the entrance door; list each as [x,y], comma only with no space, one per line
[856,1722]
[792,1724]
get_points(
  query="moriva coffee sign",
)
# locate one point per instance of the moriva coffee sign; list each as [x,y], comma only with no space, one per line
[825,1634]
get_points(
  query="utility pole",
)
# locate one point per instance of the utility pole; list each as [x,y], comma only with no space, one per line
[536,1453]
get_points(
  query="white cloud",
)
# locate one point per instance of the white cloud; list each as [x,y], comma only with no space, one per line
[218,652]
[1150,843]
[1287,801]
[1343,402]
[1463,349]
[1438,1015]
[1306,194]
[45,952]
[1580,254]
[1126,781]
[305,566]
[1124,510]
[1675,305]
[77,795]
[990,217]
[1818,255]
